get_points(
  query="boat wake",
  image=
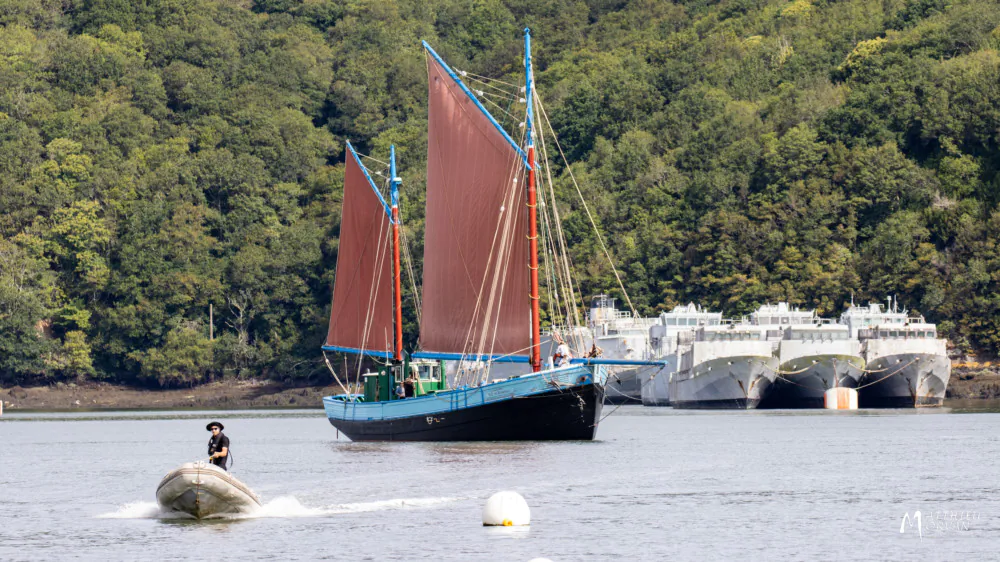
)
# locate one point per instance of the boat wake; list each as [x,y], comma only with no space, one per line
[141,510]
[280,507]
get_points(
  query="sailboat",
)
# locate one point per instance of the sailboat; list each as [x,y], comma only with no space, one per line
[480,291]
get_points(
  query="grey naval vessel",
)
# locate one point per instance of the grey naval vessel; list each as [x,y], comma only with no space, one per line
[814,355]
[908,365]
[664,337]
[727,366]
[620,335]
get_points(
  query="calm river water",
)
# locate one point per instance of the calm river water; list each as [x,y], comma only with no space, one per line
[658,484]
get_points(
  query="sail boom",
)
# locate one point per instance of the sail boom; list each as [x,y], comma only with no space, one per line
[631,362]
[371,182]
[358,351]
[526,359]
[479,105]
[471,357]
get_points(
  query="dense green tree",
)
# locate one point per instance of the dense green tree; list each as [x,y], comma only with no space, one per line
[159,158]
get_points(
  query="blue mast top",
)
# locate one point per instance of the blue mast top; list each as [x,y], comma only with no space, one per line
[528,81]
[393,179]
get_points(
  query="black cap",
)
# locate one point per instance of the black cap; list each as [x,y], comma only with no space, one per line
[212,424]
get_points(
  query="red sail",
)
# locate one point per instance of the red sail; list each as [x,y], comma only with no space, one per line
[361,317]
[475,249]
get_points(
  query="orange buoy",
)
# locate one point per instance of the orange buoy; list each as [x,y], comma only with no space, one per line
[840,398]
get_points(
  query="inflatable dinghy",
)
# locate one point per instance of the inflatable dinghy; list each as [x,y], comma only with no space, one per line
[202,490]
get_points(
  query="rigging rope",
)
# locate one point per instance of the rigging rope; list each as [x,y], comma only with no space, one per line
[466,73]
[500,275]
[504,223]
[335,377]
[552,294]
[586,208]
[605,416]
[386,164]
[887,376]
[566,278]
[409,268]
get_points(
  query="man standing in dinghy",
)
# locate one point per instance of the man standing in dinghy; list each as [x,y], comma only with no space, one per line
[218,445]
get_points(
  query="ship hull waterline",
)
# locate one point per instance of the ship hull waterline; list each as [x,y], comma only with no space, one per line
[728,383]
[552,408]
[906,380]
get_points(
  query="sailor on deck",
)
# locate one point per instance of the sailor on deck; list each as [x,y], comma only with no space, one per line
[218,445]
[562,355]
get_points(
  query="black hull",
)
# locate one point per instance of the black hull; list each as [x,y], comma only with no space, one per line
[734,404]
[806,389]
[570,414]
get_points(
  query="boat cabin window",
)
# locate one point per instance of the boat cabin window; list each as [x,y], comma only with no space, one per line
[671,322]
[820,335]
[427,372]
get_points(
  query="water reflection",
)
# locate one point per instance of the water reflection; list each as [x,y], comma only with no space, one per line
[364,447]
[974,406]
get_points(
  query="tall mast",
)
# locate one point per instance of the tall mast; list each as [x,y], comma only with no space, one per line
[536,337]
[394,194]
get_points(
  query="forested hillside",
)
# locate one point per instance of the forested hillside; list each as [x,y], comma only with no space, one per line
[161,156]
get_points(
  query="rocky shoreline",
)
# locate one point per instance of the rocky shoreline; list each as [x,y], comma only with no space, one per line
[975,381]
[229,395]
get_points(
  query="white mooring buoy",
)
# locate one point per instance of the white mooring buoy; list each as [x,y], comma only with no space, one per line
[506,509]
[840,398]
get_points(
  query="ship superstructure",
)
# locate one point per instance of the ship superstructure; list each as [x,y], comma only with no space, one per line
[727,366]
[814,355]
[664,343]
[619,335]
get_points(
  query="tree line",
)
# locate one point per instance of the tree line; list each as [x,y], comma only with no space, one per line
[158,157]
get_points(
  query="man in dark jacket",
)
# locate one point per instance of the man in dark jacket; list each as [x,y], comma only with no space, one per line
[218,445]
